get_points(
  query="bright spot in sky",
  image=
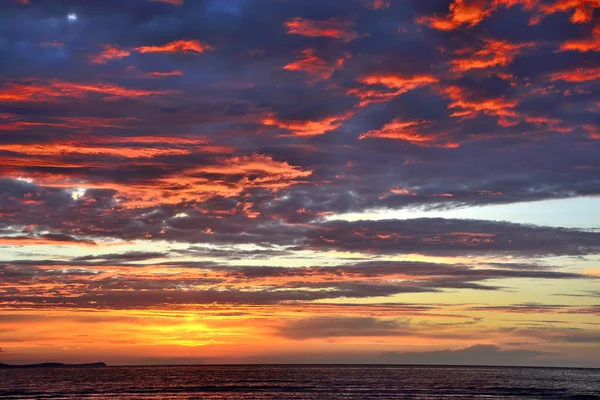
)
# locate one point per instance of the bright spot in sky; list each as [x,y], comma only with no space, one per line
[28,180]
[72,17]
[78,193]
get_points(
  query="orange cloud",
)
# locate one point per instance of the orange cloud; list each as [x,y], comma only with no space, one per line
[404,130]
[179,46]
[314,65]
[151,139]
[256,163]
[226,177]
[526,4]
[51,91]
[578,75]
[583,10]
[472,12]
[57,149]
[334,28]
[592,44]
[462,12]
[98,122]
[494,53]
[410,131]
[150,146]
[43,240]
[163,74]
[109,53]
[14,122]
[15,125]
[309,128]
[396,85]
[468,107]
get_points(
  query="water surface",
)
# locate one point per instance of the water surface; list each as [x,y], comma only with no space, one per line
[299,382]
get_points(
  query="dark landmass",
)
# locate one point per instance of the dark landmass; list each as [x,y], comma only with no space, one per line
[54,365]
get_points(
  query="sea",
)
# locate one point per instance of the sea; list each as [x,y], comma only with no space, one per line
[314,382]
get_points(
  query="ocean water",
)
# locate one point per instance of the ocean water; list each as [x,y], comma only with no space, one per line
[299,382]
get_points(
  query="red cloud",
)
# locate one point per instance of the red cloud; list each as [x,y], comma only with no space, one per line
[109,53]
[396,85]
[410,131]
[145,146]
[578,75]
[526,4]
[494,53]
[378,4]
[309,128]
[63,148]
[43,240]
[462,12]
[469,107]
[51,91]
[583,10]
[334,27]
[253,164]
[592,44]
[404,130]
[179,46]
[472,12]
[226,176]
[593,131]
[314,65]
[163,74]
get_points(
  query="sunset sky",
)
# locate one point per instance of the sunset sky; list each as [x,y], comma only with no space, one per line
[300,181]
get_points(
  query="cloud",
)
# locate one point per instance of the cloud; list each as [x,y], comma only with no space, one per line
[109,53]
[107,280]
[178,46]
[539,308]
[52,91]
[462,12]
[160,156]
[410,131]
[173,2]
[308,127]
[333,28]
[577,75]
[378,4]
[312,64]
[395,85]
[327,327]
[584,45]
[582,10]
[438,236]
[479,354]
[44,239]
[470,13]
[492,53]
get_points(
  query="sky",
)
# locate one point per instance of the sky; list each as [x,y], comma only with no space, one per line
[300,181]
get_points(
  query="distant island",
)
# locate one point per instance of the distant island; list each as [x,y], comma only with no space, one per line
[54,365]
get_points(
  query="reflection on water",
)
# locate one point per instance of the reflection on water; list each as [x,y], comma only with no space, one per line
[299,382]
